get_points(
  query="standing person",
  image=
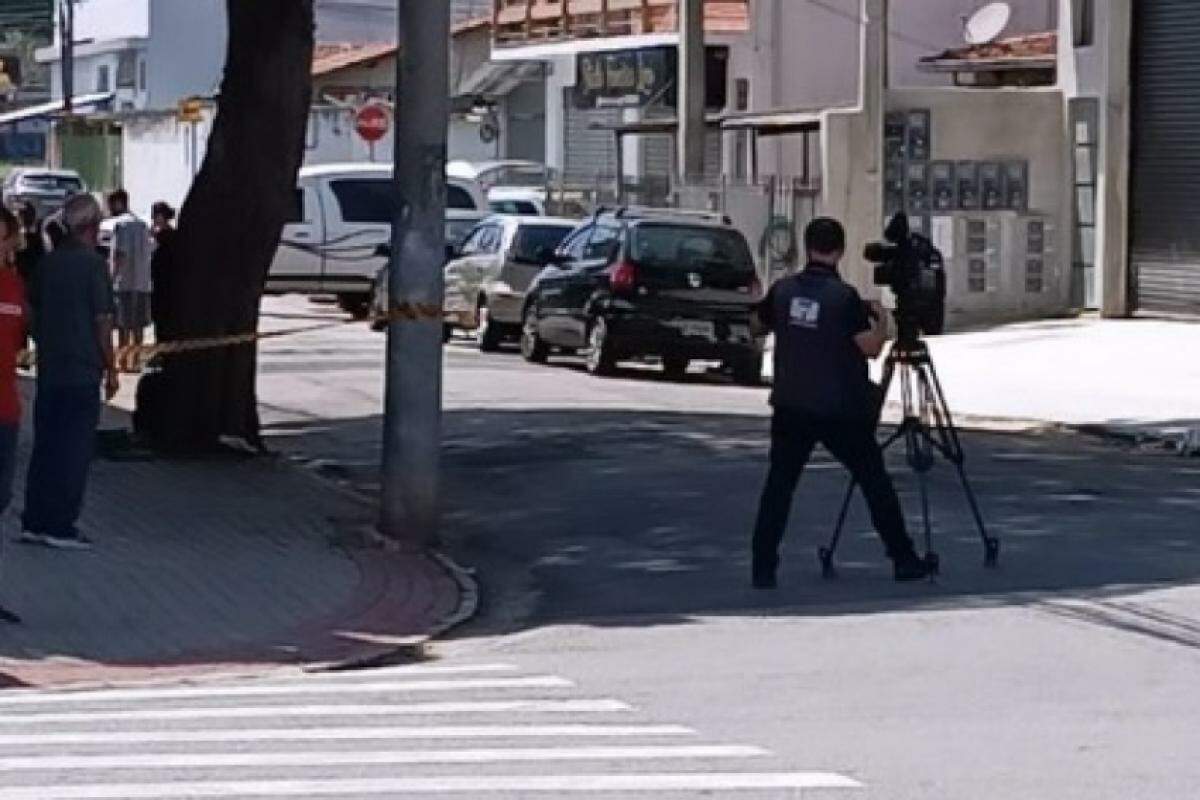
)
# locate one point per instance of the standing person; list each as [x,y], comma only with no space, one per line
[12,339]
[130,262]
[74,334]
[824,334]
[29,256]
[161,266]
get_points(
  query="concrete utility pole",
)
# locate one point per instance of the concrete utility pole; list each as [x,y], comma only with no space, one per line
[66,34]
[690,148]
[413,399]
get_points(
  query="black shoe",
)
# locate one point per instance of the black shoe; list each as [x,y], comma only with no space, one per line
[911,569]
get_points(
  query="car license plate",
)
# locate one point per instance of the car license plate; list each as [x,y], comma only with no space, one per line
[697,328]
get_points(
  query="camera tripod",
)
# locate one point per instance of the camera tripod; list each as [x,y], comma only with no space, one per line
[927,429]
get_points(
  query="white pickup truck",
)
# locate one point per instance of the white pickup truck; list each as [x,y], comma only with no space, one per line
[342,214]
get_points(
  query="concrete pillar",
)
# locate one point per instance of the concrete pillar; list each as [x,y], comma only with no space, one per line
[1112,233]
[852,148]
[690,150]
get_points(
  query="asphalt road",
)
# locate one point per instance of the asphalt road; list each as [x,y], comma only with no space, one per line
[607,522]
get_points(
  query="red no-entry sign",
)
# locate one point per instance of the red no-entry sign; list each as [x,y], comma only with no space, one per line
[372,122]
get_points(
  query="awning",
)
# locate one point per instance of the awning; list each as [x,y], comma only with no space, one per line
[83,101]
[774,123]
[665,126]
[498,78]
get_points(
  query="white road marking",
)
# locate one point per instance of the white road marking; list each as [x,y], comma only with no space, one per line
[374,758]
[377,710]
[483,784]
[266,690]
[357,733]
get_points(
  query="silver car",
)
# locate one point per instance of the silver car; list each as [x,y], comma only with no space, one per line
[46,189]
[489,273]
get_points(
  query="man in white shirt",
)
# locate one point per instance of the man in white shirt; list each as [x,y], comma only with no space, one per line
[129,260]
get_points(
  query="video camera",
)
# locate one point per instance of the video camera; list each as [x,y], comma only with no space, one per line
[909,265]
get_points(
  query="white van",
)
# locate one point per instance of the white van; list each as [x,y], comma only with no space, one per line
[342,214]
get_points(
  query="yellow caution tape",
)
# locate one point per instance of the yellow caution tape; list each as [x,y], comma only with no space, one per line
[134,357]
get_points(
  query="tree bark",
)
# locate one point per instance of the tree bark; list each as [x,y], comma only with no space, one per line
[229,228]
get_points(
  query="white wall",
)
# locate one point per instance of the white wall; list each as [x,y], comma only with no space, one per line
[186,51]
[111,19]
[161,157]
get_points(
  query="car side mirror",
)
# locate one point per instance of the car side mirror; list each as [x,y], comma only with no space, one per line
[383,251]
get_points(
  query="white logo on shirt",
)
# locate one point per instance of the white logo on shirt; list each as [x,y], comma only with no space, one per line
[805,313]
[11,310]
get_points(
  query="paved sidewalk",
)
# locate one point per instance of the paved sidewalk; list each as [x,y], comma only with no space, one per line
[222,565]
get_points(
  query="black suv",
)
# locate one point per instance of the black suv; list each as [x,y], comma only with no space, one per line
[633,283]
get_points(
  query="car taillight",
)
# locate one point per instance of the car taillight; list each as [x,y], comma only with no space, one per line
[622,277]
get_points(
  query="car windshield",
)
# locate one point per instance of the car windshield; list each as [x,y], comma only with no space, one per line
[457,230]
[687,247]
[52,183]
[533,241]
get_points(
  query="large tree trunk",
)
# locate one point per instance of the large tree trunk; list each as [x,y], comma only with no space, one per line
[230,226]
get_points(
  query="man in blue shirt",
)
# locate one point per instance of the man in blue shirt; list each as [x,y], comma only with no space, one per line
[73,329]
[824,334]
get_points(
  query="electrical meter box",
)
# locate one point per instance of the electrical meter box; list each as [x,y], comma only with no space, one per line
[991,186]
[941,182]
[893,188]
[916,188]
[918,135]
[1016,185]
[1037,281]
[966,179]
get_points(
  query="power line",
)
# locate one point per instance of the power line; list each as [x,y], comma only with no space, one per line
[892,32]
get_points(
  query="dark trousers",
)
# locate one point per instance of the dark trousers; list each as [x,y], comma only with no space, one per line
[64,439]
[8,463]
[852,442]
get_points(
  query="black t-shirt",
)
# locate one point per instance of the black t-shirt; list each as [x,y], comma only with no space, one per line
[819,368]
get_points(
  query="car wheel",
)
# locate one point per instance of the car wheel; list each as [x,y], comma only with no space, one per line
[533,349]
[601,360]
[675,367]
[748,371]
[490,334]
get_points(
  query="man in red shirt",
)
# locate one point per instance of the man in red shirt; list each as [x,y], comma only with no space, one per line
[12,340]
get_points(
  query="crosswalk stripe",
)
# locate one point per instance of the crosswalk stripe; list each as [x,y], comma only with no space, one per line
[291,711]
[713,781]
[347,733]
[373,758]
[213,692]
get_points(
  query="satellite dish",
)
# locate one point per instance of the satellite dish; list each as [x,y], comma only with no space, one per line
[986,24]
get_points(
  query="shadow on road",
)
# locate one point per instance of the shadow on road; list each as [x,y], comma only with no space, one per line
[630,518]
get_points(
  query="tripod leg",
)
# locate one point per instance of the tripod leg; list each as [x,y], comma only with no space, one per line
[951,447]
[825,554]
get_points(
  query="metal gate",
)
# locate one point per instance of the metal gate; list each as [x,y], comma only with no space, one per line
[589,148]
[1165,195]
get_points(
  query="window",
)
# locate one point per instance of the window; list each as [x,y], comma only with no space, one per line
[481,240]
[459,198]
[574,244]
[1085,115]
[365,200]
[533,242]
[686,247]
[600,245]
[522,208]
[1083,18]
[102,84]
[742,92]
[142,75]
[127,69]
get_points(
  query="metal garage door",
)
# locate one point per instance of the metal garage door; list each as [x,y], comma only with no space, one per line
[1165,215]
[590,153]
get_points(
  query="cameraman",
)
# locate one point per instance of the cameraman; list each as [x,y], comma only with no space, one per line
[824,334]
